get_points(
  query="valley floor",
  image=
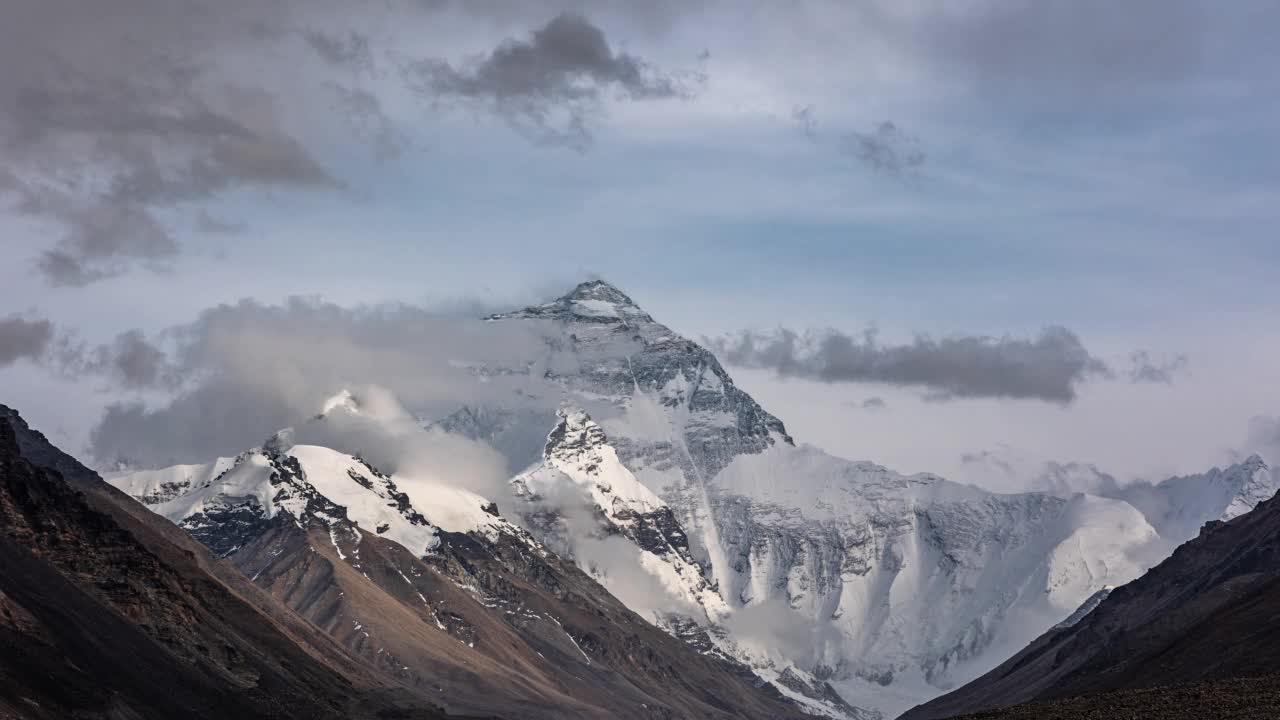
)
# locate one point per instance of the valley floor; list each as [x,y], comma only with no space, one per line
[1236,699]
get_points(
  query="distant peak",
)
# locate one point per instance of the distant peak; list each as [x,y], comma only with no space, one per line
[594,301]
[1254,463]
[598,290]
[344,399]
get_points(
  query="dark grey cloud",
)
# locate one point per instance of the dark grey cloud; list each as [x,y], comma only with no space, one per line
[1048,367]
[129,362]
[23,339]
[133,362]
[350,49]
[887,150]
[101,236]
[240,372]
[1145,369]
[873,404]
[551,84]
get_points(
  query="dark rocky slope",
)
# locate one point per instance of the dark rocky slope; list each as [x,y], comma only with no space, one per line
[1237,699]
[106,612]
[1210,612]
[496,628]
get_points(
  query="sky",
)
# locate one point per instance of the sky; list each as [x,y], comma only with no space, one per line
[972,239]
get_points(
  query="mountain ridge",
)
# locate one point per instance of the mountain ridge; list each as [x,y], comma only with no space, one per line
[891,588]
[1206,613]
[482,614]
[86,575]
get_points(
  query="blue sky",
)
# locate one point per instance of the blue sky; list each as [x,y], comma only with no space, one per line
[1111,168]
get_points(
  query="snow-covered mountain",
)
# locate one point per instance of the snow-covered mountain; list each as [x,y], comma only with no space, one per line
[613,505]
[228,502]
[1177,507]
[891,587]
[429,586]
[852,589]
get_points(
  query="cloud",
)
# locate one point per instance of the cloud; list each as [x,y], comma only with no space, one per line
[376,427]
[130,361]
[120,132]
[1010,470]
[212,225]
[888,151]
[23,339]
[581,533]
[109,126]
[101,236]
[806,119]
[551,85]
[1056,50]
[1048,367]
[873,404]
[364,113]
[1144,369]
[133,362]
[986,460]
[885,150]
[350,49]
[775,625]
[1264,438]
[240,372]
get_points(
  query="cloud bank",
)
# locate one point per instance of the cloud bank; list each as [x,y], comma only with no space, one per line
[1048,367]
[246,370]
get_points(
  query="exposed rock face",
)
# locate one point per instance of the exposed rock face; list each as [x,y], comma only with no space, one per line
[1208,612]
[108,614]
[906,585]
[485,619]
[695,419]
[1177,507]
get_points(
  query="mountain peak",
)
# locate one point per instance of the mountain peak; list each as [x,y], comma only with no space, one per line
[600,291]
[1254,463]
[1253,482]
[575,435]
[594,301]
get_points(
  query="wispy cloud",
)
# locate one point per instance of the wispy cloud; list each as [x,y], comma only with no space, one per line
[1145,369]
[240,372]
[887,150]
